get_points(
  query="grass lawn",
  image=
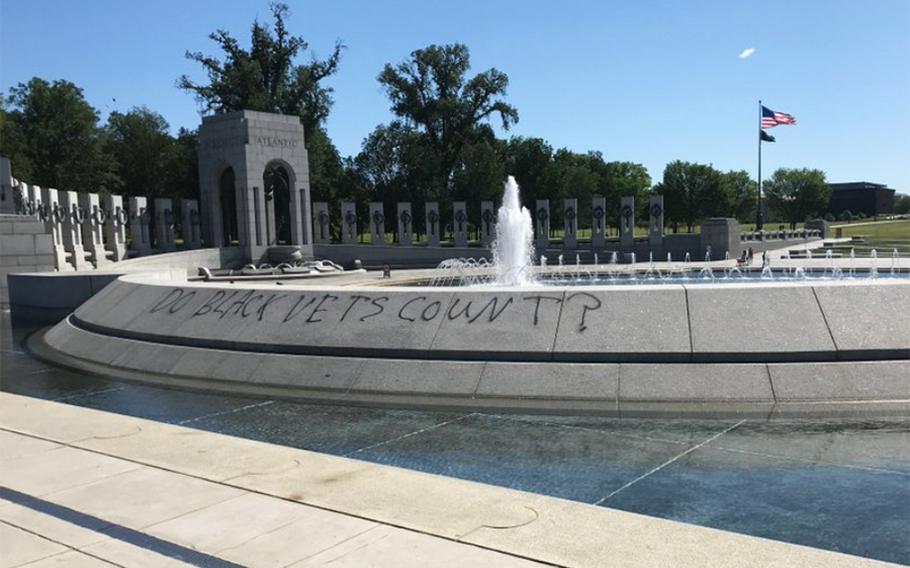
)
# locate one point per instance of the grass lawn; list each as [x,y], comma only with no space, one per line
[899,229]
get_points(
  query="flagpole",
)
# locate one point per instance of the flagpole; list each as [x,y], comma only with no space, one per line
[758,214]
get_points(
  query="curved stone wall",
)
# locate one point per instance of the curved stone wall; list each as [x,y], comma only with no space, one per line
[578,348]
[673,323]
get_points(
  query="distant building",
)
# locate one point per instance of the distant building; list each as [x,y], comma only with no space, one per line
[864,197]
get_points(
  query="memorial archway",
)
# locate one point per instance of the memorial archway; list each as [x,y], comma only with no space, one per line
[227,193]
[264,157]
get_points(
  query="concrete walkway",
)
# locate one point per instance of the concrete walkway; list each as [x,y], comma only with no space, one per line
[80,487]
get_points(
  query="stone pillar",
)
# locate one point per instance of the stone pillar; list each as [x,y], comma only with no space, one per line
[405,224]
[256,224]
[164,224]
[721,235]
[542,218]
[434,224]
[190,223]
[820,225]
[7,203]
[322,223]
[53,215]
[570,219]
[72,228]
[115,227]
[377,223]
[93,228]
[656,223]
[140,242]
[598,222]
[306,228]
[460,224]
[349,231]
[487,223]
[297,207]
[32,200]
[627,223]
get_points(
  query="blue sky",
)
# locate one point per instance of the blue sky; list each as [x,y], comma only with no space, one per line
[649,81]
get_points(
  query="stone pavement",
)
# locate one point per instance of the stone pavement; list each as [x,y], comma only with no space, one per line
[64,506]
[84,487]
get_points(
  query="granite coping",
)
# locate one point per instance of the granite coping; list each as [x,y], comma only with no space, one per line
[668,388]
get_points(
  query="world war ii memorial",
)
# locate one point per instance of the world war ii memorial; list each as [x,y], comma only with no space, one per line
[255,377]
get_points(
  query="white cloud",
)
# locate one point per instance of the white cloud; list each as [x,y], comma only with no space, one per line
[746,53]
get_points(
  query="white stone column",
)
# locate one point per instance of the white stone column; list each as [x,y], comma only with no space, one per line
[296,206]
[305,206]
[487,223]
[93,228]
[191,224]
[322,223]
[460,223]
[72,222]
[164,224]
[140,242]
[434,224]
[115,227]
[627,223]
[570,224]
[656,222]
[53,215]
[377,223]
[349,227]
[33,200]
[405,224]
[542,222]
[7,203]
[598,222]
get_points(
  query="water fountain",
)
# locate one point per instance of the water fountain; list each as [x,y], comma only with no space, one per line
[895,257]
[873,270]
[513,249]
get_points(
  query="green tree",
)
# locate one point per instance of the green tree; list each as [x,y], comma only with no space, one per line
[431,92]
[265,78]
[691,192]
[395,164]
[625,179]
[530,160]
[13,145]
[901,204]
[573,175]
[480,172]
[140,142]
[54,133]
[797,194]
[743,192]
[183,175]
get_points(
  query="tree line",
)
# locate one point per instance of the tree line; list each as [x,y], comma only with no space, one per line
[439,146]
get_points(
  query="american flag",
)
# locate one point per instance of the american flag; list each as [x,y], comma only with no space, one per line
[770,118]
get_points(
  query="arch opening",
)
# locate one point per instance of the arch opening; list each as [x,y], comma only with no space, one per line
[277,183]
[227,190]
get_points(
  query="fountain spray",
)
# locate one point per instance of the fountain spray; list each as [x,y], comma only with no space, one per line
[513,249]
